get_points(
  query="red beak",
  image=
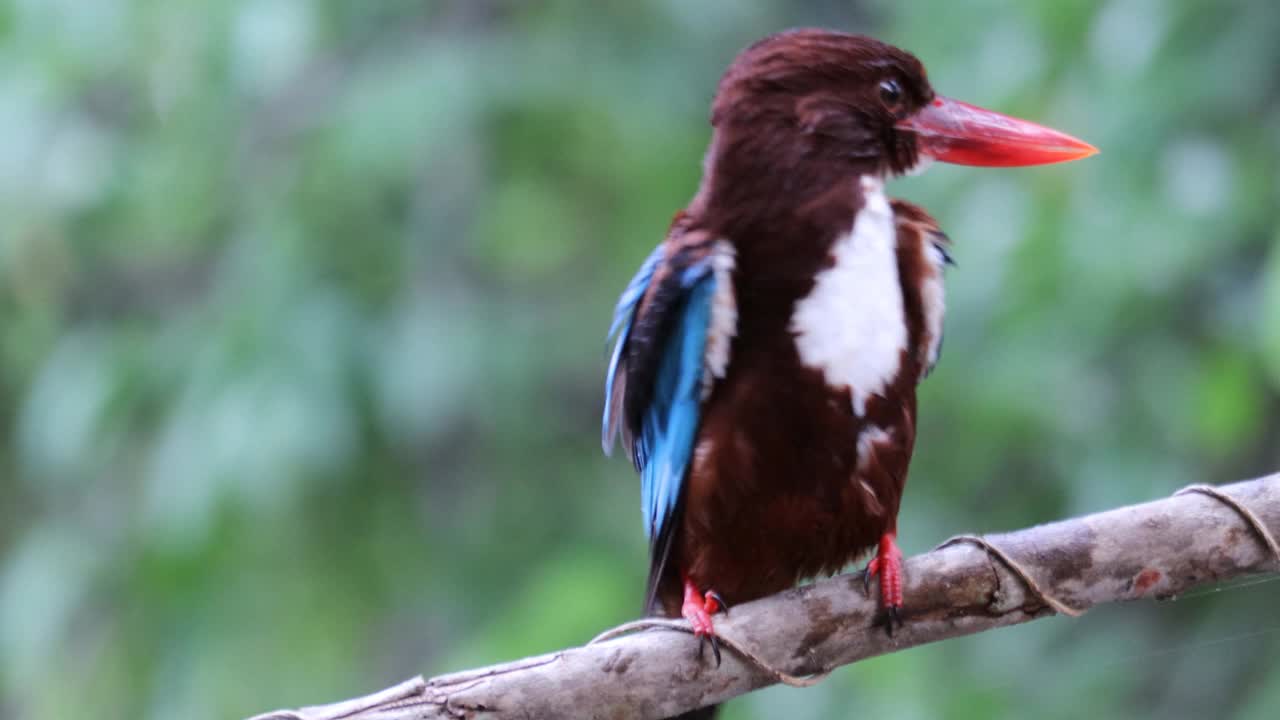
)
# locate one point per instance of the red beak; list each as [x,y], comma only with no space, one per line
[964,134]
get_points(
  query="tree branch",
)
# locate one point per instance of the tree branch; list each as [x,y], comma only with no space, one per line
[1154,550]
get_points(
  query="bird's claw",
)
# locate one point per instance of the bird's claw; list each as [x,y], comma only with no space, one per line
[891,619]
[698,609]
[699,616]
[887,564]
[715,646]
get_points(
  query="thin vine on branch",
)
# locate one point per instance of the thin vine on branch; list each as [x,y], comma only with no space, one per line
[969,584]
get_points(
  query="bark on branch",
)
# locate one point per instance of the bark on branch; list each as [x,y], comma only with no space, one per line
[1153,550]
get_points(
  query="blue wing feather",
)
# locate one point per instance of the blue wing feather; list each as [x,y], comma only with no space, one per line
[663,442]
[619,331]
[670,422]
[625,310]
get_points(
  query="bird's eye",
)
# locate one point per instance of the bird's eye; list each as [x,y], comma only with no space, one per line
[891,95]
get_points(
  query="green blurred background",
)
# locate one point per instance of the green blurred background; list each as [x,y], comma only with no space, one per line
[301,337]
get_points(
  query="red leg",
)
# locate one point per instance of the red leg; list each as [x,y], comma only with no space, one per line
[888,565]
[697,609]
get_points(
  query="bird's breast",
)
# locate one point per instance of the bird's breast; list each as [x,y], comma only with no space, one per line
[851,326]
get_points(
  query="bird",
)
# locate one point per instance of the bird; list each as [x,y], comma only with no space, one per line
[765,356]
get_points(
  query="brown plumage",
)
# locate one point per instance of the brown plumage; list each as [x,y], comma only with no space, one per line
[771,493]
[779,489]
[764,378]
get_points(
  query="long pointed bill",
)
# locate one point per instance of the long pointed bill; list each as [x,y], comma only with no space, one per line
[964,134]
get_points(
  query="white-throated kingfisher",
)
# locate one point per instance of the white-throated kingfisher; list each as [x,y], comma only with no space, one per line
[766,356]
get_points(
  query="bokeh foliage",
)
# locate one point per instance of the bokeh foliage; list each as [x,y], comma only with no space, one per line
[301,337]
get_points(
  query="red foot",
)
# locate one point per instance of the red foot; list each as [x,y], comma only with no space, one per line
[888,565]
[697,609]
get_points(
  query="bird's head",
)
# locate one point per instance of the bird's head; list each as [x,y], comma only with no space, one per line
[852,103]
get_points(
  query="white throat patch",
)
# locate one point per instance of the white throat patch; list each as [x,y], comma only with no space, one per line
[852,326]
